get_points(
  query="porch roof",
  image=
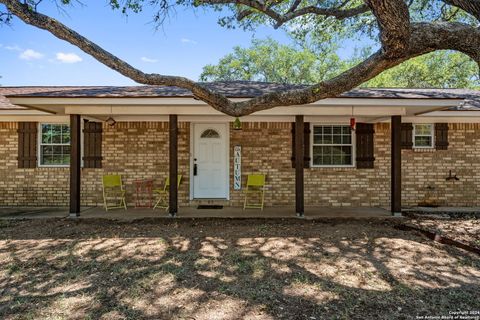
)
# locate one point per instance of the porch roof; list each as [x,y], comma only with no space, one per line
[64,100]
[234,89]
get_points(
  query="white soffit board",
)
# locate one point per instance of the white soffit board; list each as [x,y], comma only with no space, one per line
[356,107]
[466,113]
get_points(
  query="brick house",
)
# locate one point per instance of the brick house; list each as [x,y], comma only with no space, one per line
[404,145]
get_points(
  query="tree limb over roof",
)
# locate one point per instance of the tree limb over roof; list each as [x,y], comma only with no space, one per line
[400,40]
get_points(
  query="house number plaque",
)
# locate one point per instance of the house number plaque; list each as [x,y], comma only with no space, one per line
[237,168]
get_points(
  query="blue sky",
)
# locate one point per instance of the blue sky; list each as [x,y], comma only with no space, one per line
[187,41]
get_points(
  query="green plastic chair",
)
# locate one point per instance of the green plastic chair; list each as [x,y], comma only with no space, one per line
[113,190]
[162,201]
[255,188]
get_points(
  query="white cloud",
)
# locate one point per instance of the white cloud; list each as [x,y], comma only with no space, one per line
[68,57]
[30,54]
[149,60]
[13,48]
[190,41]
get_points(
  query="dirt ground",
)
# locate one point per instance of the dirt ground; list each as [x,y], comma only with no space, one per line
[230,269]
[464,230]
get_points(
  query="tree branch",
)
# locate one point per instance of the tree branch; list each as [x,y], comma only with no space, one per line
[29,16]
[394,23]
[282,18]
[422,38]
[470,6]
[425,38]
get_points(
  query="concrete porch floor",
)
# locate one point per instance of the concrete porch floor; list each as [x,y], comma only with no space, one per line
[193,212]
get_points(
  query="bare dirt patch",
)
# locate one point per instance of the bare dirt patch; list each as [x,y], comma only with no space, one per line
[463,230]
[229,269]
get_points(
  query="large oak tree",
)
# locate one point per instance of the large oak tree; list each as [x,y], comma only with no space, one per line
[401,36]
[269,61]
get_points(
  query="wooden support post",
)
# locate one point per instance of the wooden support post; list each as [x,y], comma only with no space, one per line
[396,165]
[299,164]
[75,161]
[173,172]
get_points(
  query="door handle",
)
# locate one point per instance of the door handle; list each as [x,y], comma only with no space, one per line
[195,169]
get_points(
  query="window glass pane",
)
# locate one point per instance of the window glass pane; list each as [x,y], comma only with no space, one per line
[57,149]
[423,135]
[47,150]
[56,132]
[332,155]
[55,144]
[317,139]
[47,160]
[423,141]
[337,139]
[65,134]
[347,160]
[336,150]
[326,160]
[66,159]
[210,133]
[66,150]
[317,155]
[423,129]
[326,150]
[347,151]
[46,133]
[332,145]
[347,139]
[337,160]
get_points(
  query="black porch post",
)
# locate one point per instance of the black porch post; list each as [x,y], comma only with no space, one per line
[299,154]
[173,162]
[75,165]
[396,165]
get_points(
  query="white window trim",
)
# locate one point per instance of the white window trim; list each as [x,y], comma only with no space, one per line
[39,144]
[432,135]
[354,144]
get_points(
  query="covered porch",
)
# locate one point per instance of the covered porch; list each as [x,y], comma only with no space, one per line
[173,111]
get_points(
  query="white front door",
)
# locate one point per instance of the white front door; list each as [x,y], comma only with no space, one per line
[210,165]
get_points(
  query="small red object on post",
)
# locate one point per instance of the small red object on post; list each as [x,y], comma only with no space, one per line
[352,123]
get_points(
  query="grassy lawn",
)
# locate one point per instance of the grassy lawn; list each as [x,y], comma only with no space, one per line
[229,269]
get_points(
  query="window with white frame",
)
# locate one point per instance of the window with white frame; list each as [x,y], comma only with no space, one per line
[332,145]
[54,144]
[423,135]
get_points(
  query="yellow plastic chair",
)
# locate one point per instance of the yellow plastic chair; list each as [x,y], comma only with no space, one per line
[162,201]
[113,190]
[255,188]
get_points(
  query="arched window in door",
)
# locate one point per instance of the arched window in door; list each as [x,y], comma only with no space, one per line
[210,133]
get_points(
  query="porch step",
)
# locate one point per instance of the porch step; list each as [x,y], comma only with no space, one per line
[210,202]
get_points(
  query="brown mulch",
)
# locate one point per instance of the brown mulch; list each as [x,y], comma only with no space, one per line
[230,269]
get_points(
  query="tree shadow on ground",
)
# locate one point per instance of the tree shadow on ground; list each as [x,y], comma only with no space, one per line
[255,269]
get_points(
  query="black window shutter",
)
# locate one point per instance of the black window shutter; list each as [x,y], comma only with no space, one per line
[365,145]
[92,144]
[27,144]
[293,145]
[306,147]
[306,141]
[441,136]
[407,136]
